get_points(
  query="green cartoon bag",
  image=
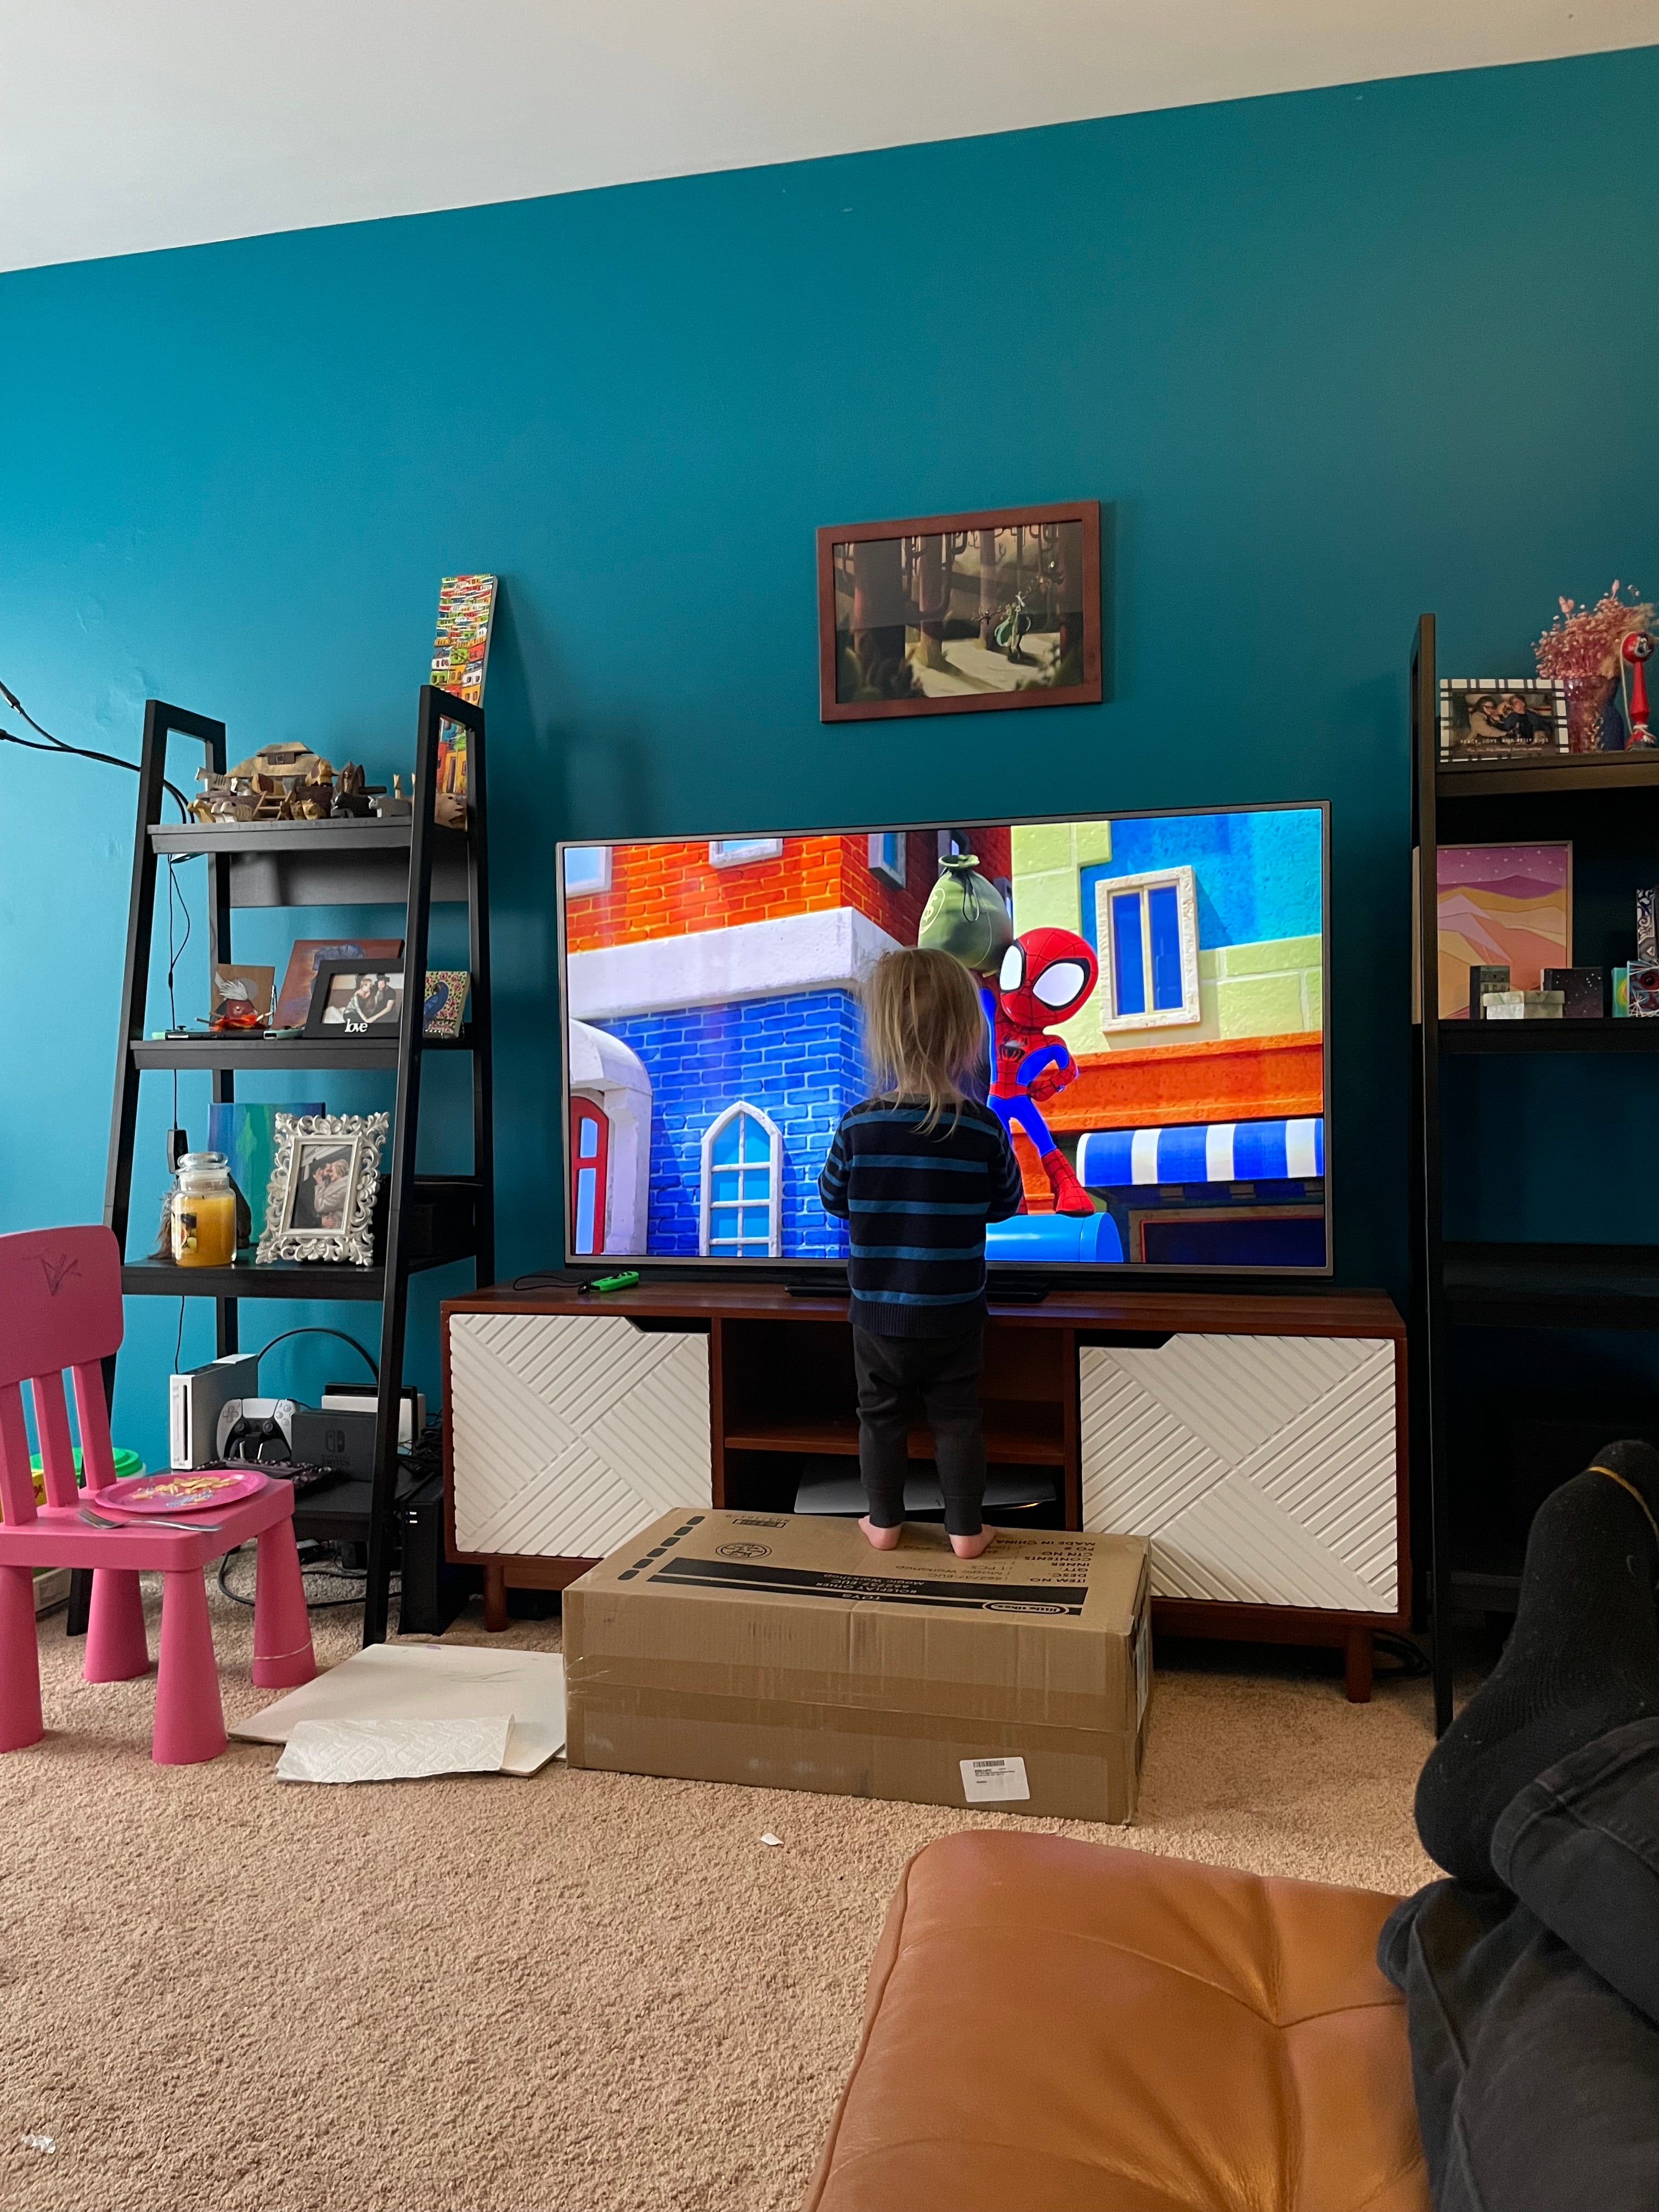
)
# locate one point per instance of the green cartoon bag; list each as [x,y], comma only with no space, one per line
[965,916]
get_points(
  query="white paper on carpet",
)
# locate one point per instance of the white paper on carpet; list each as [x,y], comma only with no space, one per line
[392,1751]
[432,1682]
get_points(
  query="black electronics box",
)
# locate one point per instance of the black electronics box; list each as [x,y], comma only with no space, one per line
[341,1440]
[434,1590]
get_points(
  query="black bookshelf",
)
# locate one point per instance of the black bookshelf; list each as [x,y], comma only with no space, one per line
[1609,805]
[426,1221]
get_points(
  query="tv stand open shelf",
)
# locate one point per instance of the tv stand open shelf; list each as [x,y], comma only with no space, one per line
[1015,1435]
[1257,1437]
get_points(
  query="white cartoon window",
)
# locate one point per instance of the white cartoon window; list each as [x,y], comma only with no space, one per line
[739,852]
[742,1186]
[587,869]
[887,855]
[1147,930]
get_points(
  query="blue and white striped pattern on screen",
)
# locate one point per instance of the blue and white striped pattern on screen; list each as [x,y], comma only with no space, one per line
[1203,1151]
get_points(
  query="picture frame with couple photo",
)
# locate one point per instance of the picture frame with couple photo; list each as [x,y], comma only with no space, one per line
[356,997]
[320,1205]
[1502,718]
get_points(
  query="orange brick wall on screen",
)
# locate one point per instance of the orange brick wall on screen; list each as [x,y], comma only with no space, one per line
[659,890]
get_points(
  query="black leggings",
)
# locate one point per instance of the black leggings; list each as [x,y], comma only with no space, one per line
[943,1372]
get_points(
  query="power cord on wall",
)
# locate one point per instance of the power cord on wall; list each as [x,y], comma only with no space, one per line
[78,753]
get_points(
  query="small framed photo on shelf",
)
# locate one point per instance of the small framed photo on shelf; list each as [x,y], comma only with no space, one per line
[321,1204]
[445,1002]
[356,998]
[294,999]
[1502,718]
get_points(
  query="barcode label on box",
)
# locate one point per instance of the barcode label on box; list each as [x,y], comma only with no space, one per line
[994,1781]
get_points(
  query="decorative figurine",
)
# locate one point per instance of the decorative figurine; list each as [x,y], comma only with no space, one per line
[351,792]
[1633,654]
[278,783]
[397,808]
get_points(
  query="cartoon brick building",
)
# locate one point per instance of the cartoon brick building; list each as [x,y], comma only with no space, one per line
[712,996]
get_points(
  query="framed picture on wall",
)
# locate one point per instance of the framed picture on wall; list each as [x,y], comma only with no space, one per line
[951,614]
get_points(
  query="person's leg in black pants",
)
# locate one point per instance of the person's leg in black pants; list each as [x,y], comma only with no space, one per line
[1532,1979]
[950,1393]
[885,1392]
[943,1372]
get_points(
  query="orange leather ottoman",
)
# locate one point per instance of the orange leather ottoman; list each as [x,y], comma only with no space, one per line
[1054,2026]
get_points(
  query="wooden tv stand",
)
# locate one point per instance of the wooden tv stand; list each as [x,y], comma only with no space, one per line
[1258,1438]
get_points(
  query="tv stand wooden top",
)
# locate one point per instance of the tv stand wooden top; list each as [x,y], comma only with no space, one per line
[1300,1311]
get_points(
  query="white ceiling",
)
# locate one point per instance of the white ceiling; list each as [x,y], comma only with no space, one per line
[129,124]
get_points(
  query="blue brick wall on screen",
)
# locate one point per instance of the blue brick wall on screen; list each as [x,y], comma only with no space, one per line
[797,1058]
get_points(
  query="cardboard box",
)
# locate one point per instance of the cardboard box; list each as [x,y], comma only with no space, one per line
[779,1651]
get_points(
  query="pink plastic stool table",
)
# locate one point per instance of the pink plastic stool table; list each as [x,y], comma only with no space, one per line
[60,1308]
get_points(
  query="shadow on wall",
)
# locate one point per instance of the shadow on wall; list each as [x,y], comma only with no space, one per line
[566,777]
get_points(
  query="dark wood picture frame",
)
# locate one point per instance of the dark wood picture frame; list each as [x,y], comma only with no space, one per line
[327,972]
[1083,512]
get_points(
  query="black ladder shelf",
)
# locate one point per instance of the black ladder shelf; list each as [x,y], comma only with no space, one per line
[429,1221]
[1608,805]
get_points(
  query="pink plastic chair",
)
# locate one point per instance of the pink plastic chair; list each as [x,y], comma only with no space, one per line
[60,1307]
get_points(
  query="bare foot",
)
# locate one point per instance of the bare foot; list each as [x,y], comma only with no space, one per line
[972,1547]
[884,1540]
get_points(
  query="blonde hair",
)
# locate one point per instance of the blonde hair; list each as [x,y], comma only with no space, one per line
[924,1028]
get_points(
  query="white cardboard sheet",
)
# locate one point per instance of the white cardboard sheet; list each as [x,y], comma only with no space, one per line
[432,1682]
[392,1751]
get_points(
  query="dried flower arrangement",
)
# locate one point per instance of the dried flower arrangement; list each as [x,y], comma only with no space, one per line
[1580,647]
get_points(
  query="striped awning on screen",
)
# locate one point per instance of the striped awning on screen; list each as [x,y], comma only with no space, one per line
[1203,1151]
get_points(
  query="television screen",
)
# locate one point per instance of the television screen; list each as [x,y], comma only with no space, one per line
[1154,993]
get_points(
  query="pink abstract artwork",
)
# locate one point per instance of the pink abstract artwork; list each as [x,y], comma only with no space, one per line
[1502,905]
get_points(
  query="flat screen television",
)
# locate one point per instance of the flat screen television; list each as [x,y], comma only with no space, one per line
[1155,986]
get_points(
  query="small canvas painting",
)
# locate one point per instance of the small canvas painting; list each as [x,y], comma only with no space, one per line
[241,996]
[1502,906]
[445,998]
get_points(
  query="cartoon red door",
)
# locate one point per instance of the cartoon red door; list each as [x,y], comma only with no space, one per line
[590,1150]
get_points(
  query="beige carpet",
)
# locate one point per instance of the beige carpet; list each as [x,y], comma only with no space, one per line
[590,1992]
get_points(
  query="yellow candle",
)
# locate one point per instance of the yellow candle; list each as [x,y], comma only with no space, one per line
[204,1228]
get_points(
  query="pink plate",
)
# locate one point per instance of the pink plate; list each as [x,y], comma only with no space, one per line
[183,1490]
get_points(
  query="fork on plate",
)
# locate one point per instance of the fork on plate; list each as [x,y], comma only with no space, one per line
[152,1521]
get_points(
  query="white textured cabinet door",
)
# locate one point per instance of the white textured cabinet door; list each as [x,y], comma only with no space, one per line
[571,1432]
[1262,1468]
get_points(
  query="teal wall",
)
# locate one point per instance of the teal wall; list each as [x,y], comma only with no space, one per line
[1329,358]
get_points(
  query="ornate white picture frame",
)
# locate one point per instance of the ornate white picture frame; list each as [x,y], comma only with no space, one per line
[320,1205]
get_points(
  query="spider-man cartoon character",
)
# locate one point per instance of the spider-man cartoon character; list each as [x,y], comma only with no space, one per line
[1045,976]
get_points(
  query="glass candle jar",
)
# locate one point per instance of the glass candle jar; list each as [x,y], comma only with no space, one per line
[202,1213]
